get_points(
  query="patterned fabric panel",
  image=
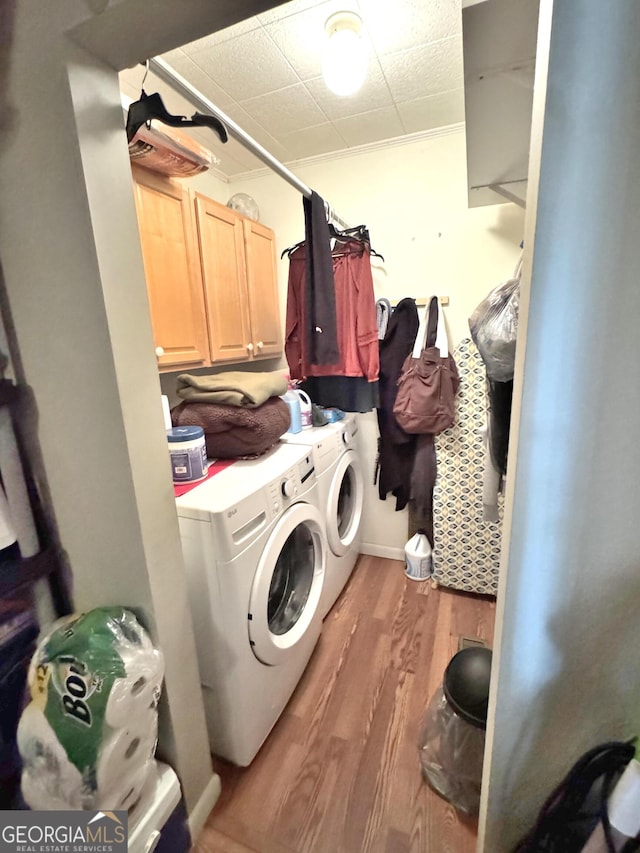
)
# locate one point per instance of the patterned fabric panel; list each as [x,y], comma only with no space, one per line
[466,548]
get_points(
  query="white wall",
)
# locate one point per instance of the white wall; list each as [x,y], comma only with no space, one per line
[413,197]
[566,675]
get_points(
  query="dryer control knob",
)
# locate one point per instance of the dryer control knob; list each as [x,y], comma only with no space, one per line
[288,488]
[346,436]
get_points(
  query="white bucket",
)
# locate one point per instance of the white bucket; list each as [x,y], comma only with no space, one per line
[418,557]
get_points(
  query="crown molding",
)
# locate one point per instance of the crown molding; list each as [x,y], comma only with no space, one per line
[393,142]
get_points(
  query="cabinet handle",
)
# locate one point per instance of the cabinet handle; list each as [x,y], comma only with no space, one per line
[259,344]
[250,347]
[159,351]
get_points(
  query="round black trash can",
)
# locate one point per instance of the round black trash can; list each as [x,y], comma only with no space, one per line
[452,741]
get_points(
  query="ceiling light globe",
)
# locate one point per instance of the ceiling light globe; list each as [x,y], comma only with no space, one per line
[344,62]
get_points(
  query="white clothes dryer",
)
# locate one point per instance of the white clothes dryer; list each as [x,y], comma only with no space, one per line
[334,449]
[254,547]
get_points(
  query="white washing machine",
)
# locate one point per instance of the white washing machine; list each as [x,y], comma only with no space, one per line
[334,450]
[254,546]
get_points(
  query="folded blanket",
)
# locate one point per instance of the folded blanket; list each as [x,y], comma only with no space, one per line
[233,388]
[233,432]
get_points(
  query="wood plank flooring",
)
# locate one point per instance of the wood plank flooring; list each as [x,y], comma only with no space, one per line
[340,772]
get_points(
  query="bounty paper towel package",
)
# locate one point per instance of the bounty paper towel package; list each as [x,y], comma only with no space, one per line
[88,738]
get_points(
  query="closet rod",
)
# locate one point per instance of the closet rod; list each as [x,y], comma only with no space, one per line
[183,87]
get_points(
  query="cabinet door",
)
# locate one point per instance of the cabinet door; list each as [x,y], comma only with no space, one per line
[262,280]
[172,270]
[224,276]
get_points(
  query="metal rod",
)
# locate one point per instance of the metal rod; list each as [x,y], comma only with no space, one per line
[499,184]
[163,70]
[498,188]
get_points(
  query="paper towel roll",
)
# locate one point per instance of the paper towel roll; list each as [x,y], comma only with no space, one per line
[124,754]
[624,802]
[7,531]
[49,779]
[137,691]
[126,795]
[16,488]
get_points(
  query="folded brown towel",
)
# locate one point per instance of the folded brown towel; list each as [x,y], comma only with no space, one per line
[233,432]
[232,388]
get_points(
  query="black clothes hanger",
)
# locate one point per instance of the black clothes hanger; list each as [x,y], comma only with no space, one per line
[357,233]
[152,107]
[291,249]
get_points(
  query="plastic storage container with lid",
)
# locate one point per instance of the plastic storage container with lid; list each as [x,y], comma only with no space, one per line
[452,742]
[188,453]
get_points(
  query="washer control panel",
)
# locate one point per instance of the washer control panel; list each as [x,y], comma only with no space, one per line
[283,491]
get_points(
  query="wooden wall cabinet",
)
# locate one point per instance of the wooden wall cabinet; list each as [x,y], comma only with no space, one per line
[211,277]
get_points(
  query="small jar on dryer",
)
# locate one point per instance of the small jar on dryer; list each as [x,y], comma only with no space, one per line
[188,453]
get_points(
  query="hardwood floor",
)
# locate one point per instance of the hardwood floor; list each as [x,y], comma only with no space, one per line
[340,772]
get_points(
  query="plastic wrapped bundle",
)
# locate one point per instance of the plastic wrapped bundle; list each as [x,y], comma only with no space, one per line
[88,738]
[494,329]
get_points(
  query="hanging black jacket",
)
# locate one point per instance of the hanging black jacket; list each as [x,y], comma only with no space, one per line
[396,448]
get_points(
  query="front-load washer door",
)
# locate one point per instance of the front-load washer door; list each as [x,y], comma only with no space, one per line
[344,503]
[288,581]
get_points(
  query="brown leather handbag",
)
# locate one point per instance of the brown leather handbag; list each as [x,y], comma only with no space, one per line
[429,381]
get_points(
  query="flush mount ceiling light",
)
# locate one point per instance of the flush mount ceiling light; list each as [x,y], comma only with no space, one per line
[344,59]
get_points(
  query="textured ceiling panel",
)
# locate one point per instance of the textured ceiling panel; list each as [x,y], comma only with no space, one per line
[409,23]
[370,127]
[293,108]
[265,74]
[433,111]
[425,70]
[322,139]
[246,66]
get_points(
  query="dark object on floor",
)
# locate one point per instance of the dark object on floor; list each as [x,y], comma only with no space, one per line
[579,803]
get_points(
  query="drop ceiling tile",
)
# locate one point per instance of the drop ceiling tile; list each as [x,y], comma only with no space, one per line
[370,127]
[220,36]
[426,70]
[301,37]
[373,95]
[285,110]
[434,111]
[257,131]
[312,141]
[285,10]
[247,66]
[201,81]
[230,166]
[409,23]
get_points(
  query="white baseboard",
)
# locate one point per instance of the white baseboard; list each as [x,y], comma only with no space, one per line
[385,551]
[202,810]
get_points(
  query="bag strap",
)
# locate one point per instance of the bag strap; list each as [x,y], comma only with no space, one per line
[432,330]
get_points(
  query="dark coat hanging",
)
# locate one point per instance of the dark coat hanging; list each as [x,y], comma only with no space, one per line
[396,448]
